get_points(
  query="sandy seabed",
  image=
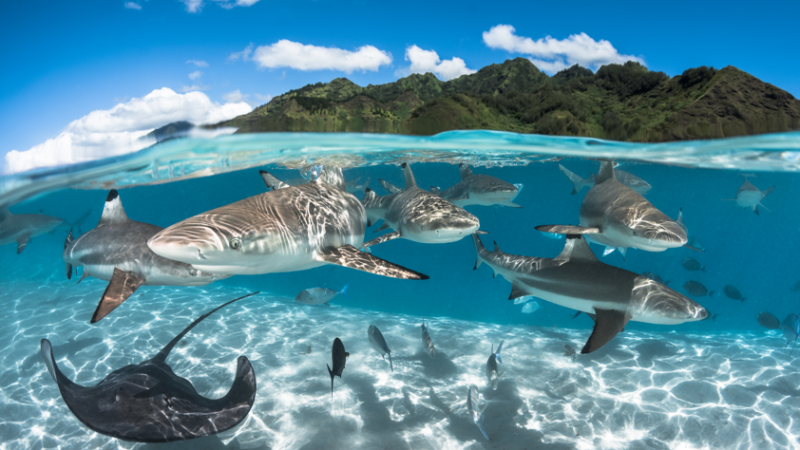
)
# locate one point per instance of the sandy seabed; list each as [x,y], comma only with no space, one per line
[641,391]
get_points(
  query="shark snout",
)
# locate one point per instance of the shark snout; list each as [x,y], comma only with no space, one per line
[188,244]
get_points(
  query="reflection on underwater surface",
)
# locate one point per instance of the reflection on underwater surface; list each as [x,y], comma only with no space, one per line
[720,383]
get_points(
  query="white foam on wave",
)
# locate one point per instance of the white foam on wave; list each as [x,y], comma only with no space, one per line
[642,390]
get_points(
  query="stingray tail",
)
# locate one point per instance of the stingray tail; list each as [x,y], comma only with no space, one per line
[162,355]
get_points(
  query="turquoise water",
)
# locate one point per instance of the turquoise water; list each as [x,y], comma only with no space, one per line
[726,383]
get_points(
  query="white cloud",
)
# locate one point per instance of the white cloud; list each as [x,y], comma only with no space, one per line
[195,75]
[194,87]
[423,61]
[263,98]
[123,128]
[194,6]
[552,55]
[237,96]
[244,55]
[197,62]
[133,5]
[295,55]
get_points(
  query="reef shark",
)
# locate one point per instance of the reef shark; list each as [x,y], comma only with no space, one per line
[148,402]
[478,189]
[418,215]
[692,242]
[632,181]
[116,251]
[614,215]
[749,196]
[288,229]
[575,279]
[20,228]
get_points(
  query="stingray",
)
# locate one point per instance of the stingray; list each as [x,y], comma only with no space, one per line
[148,402]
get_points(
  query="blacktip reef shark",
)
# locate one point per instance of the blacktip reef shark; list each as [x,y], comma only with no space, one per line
[614,215]
[479,189]
[575,279]
[116,251]
[749,196]
[148,402]
[20,228]
[288,229]
[418,215]
[626,178]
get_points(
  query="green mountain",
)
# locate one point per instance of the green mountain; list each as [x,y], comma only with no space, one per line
[621,102]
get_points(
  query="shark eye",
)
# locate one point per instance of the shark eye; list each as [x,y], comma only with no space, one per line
[193,272]
[635,233]
[236,243]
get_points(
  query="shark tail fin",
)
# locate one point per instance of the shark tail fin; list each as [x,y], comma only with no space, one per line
[370,197]
[78,223]
[480,424]
[66,244]
[479,248]
[497,353]
[343,290]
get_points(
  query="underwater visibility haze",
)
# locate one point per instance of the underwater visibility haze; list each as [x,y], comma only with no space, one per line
[680,254]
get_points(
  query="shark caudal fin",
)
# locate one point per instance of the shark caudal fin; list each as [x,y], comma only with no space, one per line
[66,244]
[578,183]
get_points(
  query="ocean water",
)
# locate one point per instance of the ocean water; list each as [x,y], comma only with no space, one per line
[722,383]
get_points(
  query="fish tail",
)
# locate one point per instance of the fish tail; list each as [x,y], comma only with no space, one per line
[331,374]
[497,353]
[343,290]
[390,362]
[479,248]
[480,425]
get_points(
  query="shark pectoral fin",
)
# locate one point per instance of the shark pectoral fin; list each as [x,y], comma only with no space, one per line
[608,323]
[121,286]
[692,248]
[516,291]
[327,304]
[510,204]
[567,229]
[84,275]
[383,227]
[352,258]
[22,241]
[608,250]
[382,239]
[69,271]
[271,181]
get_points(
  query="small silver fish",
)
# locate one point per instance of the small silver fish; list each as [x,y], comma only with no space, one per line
[493,371]
[379,343]
[473,400]
[427,342]
[318,295]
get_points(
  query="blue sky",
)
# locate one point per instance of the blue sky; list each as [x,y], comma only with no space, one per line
[67,59]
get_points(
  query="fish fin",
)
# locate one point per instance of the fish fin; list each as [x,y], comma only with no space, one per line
[480,424]
[67,241]
[435,190]
[608,250]
[113,211]
[574,191]
[496,248]
[567,229]
[4,213]
[351,257]
[464,170]
[497,353]
[766,192]
[50,362]
[478,249]
[679,220]
[390,187]
[481,232]
[743,299]
[516,291]
[577,182]
[381,239]
[121,286]
[410,182]
[327,304]
[83,275]
[578,313]
[624,252]
[606,172]
[22,241]
[331,374]
[755,210]
[510,204]
[383,227]
[69,271]
[609,323]
[369,223]
[343,291]
[78,223]
[391,366]
[692,248]
[271,181]
[759,204]
[576,249]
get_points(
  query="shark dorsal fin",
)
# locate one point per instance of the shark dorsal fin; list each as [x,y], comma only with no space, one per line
[606,172]
[162,355]
[272,181]
[464,170]
[113,212]
[410,182]
[576,249]
[333,176]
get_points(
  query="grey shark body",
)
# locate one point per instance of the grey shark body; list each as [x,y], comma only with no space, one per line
[148,402]
[379,343]
[479,189]
[116,251]
[614,215]
[288,229]
[575,279]
[749,196]
[632,181]
[21,228]
[418,215]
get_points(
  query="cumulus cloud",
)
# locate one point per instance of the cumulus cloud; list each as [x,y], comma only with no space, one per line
[123,128]
[237,96]
[424,61]
[552,55]
[244,55]
[195,75]
[194,6]
[132,5]
[197,63]
[295,55]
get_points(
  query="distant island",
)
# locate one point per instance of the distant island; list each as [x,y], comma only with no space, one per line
[620,102]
